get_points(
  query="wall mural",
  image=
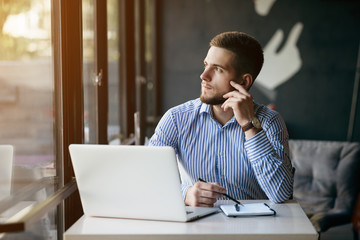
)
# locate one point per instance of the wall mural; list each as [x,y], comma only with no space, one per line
[310,49]
[282,64]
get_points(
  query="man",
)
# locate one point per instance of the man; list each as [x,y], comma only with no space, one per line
[237,146]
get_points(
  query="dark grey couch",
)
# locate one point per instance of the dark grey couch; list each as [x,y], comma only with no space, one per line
[326,180]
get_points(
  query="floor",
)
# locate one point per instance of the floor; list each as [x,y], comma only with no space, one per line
[343,232]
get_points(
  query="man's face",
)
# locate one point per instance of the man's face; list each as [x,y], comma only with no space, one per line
[217,74]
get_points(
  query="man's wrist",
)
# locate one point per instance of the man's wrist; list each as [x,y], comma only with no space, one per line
[258,146]
[184,189]
[252,132]
[253,123]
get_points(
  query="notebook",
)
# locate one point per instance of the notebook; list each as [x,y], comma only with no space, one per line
[247,209]
[6,163]
[136,182]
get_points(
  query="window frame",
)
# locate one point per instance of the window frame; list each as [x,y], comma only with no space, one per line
[69,94]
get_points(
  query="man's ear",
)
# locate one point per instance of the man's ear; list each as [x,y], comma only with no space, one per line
[246,81]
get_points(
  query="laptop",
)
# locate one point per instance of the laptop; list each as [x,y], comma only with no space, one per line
[6,163]
[135,182]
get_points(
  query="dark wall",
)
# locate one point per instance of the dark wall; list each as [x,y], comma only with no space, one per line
[314,100]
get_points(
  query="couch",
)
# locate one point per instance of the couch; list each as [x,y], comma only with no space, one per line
[326,180]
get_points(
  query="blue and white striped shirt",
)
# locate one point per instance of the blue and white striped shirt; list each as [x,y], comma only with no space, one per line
[257,168]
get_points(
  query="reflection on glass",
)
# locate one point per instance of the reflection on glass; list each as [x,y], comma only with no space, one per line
[151,104]
[89,71]
[113,71]
[26,105]
[6,163]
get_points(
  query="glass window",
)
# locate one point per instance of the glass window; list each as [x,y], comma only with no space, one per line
[89,71]
[27,108]
[113,71]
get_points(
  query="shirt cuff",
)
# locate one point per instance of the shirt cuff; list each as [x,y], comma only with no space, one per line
[258,146]
[184,189]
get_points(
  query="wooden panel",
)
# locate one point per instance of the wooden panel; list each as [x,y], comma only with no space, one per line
[72,96]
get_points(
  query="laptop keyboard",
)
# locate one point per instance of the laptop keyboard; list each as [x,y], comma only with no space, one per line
[188,212]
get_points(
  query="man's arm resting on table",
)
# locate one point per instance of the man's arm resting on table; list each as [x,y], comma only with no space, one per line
[272,168]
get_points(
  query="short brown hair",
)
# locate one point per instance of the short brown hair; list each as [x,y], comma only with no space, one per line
[248,51]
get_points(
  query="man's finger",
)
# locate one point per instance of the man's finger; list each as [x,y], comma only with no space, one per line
[239,87]
[213,187]
[229,103]
[235,94]
[210,194]
[207,201]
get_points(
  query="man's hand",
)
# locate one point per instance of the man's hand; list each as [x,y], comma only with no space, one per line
[241,103]
[203,194]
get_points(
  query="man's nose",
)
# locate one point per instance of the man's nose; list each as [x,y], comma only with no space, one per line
[205,76]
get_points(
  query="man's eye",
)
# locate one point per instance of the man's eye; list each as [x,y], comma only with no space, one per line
[218,69]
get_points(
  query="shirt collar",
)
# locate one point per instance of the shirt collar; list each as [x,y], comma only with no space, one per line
[205,108]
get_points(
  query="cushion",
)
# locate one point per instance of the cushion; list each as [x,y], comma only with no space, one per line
[326,177]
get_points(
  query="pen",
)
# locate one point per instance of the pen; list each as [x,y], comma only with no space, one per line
[202,180]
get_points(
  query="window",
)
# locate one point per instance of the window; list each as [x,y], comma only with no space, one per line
[68,72]
[90,76]
[113,25]
[27,105]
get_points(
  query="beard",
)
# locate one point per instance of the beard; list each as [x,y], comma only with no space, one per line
[217,99]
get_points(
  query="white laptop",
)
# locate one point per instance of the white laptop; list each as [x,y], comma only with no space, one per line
[6,163]
[137,182]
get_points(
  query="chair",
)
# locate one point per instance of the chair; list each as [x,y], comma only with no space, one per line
[326,180]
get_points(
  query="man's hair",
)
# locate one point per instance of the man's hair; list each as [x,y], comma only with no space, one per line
[249,54]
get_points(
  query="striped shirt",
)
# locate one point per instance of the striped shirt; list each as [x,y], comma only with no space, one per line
[257,168]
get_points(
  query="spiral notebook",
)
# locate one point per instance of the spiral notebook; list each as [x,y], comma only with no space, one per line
[247,209]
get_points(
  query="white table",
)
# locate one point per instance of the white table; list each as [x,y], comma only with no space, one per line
[289,223]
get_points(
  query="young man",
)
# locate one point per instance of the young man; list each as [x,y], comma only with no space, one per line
[237,146]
